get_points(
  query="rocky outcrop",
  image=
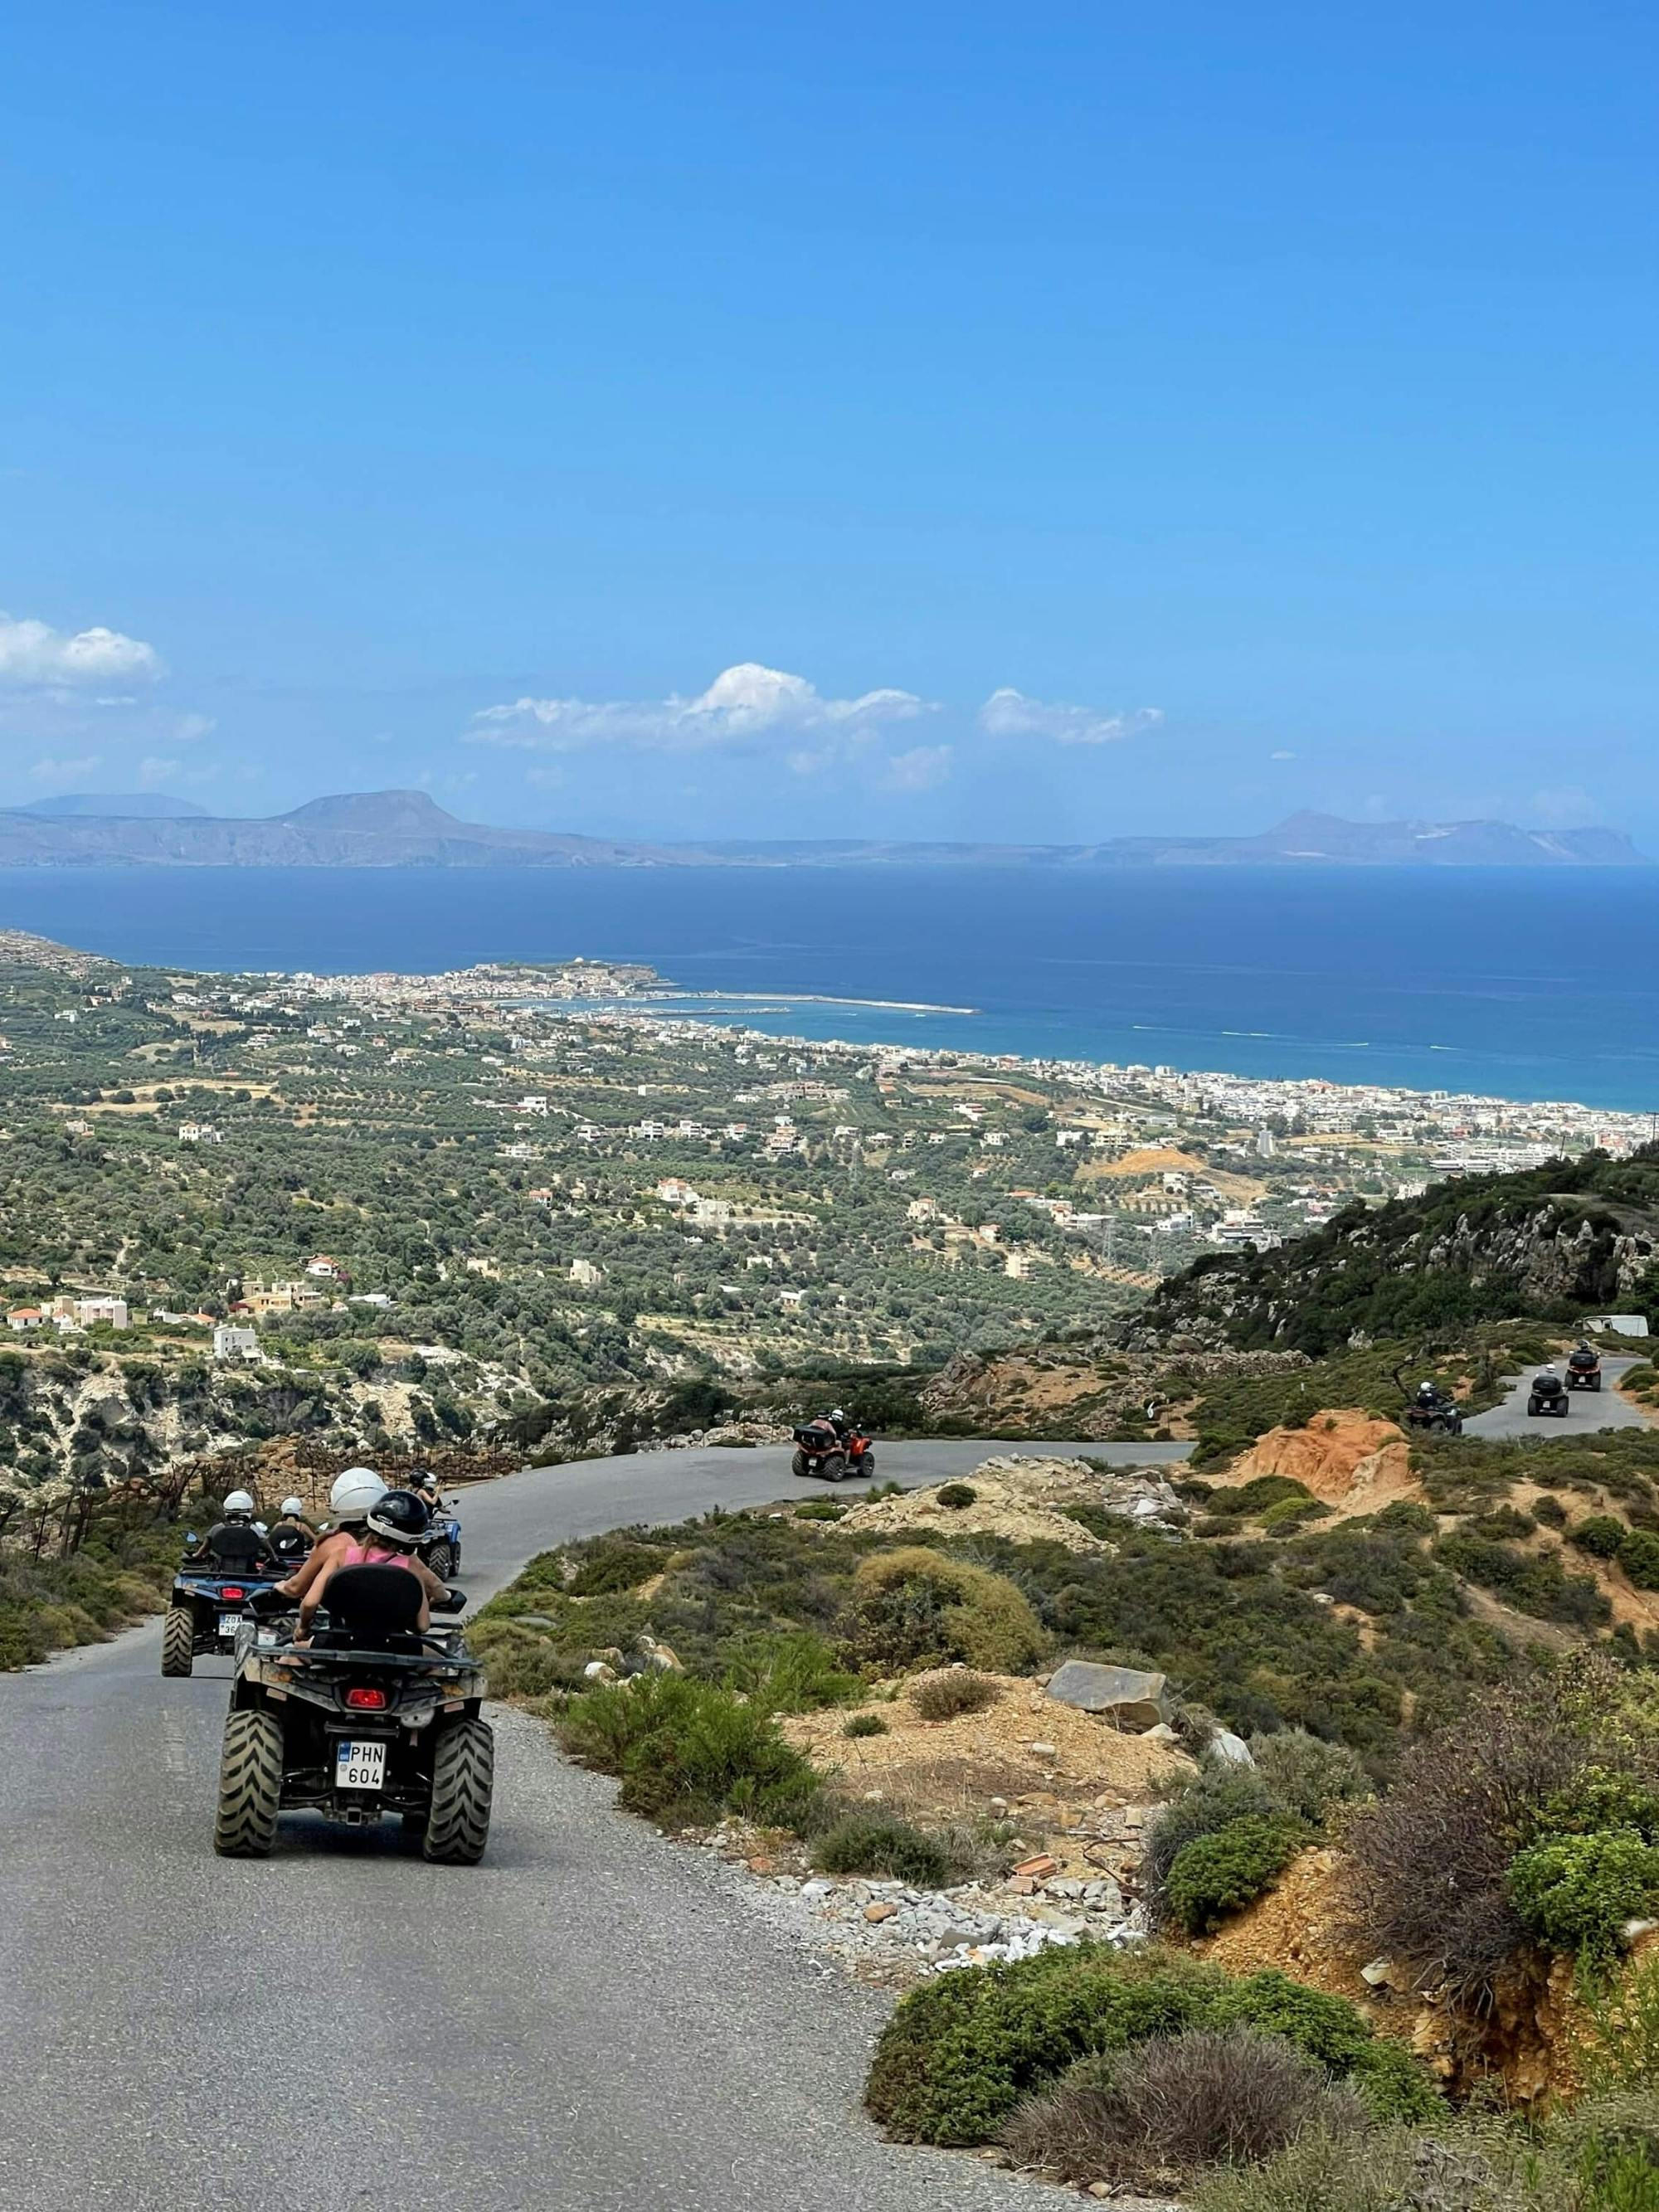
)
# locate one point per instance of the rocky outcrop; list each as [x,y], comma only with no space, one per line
[1348,1460]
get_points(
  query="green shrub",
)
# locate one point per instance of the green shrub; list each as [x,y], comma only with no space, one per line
[789,1671]
[954,1496]
[914,1607]
[866,1724]
[1602,1797]
[610,1565]
[960,2052]
[1601,1534]
[1218,1796]
[522,1664]
[1551,1512]
[1575,1893]
[1292,1513]
[945,1696]
[1216,1874]
[820,1509]
[1638,1555]
[876,1844]
[1258,1496]
[685,1750]
[1307,1776]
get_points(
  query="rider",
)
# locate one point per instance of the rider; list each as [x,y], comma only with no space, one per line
[1427,1394]
[840,1423]
[354,1494]
[234,1540]
[291,1536]
[393,1526]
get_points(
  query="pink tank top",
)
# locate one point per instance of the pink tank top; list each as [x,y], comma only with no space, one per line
[376,1555]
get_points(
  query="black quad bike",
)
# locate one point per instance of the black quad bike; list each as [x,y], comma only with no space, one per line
[373,1717]
[206,1613]
[1433,1412]
[822,1449]
[1584,1368]
[1548,1395]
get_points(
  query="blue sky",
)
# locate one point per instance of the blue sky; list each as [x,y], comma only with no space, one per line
[921,420]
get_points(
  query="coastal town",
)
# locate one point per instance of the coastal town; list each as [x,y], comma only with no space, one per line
[540,1171]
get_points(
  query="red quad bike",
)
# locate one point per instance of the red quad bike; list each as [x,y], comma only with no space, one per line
[1584,1368]
[821,1449]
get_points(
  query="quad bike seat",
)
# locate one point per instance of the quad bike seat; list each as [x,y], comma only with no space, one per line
[235,1546]
[372,1609]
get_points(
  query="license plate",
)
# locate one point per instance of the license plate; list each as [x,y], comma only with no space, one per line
[228,1625]
[360,1766]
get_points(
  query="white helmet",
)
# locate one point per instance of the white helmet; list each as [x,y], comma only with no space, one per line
[354,1492]
[239,1506]
[292,1509]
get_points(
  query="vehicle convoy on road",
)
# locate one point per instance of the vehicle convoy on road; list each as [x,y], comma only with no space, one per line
[830,1446]
[1548,1393]
[370,1717]
[1584,1368]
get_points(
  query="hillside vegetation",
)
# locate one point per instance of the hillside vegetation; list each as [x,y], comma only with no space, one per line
[1555,1242]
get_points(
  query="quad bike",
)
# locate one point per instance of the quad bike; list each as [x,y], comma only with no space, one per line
[442,1548]
[1437,1414]
[367,1720]
[206,1613]
[1548,1395]
[1584,1368]
[821,1449]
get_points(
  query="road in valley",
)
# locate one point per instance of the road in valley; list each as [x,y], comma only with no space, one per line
[594,2020]
[1589,1409]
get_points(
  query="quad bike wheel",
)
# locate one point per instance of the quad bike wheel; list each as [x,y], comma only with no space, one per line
[800,1464]
[441,1561]
[463,1781]
[178,1641]
[834,1467]
[1534,1404]
[249,1786]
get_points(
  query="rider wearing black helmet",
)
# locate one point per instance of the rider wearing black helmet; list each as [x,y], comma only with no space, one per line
[393,1526]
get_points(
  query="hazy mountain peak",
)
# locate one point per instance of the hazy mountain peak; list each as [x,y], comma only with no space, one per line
[116,806]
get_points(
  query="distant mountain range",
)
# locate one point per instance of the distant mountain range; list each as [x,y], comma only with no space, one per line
[407,828]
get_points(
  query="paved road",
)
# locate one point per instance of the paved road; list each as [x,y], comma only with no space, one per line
[594,2020]
[1590,1410]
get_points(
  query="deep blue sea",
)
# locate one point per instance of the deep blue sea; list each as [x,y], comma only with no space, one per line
[1523,983]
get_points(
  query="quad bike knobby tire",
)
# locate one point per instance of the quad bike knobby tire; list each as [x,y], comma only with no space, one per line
[834,1467]
[441,1561]
[178,1641]
[800,1464]
[463,1781]
[1535,1405]
[249,1786]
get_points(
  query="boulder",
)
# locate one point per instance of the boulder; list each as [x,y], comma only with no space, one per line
[1229,1750]
[1123,1695]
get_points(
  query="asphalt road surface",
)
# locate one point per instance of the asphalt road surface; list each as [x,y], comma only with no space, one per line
[1589,1409]
[594,2018]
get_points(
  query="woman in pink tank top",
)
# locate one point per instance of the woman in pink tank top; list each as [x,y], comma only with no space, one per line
[393,1526]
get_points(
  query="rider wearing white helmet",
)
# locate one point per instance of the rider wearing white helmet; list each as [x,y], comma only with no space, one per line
[291,1535]
[232,1540]
[353,1494]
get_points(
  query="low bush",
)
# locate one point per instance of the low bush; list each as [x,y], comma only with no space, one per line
[866,1724]
[611,1565]
[960,2052]
[914,1607]
[1551,1512]
[876,1844]
[685,1751]
[789,1671]
[955,1496]
[820,1509]
[1218,1796]
[1308,1775]
[1177,2107]
[1638,1555]
[945,1697]
[1534,1582]
[1216,1874]
[1602,1535]
[1574,1893]
[1260,1496]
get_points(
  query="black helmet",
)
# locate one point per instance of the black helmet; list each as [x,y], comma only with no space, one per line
[401,1518]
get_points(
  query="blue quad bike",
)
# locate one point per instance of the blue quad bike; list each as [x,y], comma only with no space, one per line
[209,1605]
[442,1549]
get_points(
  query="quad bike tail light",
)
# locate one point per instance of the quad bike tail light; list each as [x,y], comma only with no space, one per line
[231,1589]
[363,1700]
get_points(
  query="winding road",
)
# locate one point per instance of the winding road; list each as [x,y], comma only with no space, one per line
[594,2018]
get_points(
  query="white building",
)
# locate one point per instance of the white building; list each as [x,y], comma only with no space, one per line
[230,1342]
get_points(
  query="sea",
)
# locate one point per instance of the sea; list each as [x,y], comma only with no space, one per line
[1517,983]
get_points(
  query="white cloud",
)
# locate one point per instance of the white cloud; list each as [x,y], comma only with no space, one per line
[1282,756]
[744,708]
[32,652]
[60,773]
[924,767]
[1010,714]
[190,729]
[154,772]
